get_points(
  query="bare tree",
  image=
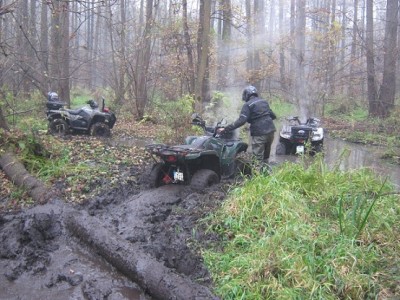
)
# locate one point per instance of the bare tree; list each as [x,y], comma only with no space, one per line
[300,56]
[189,49]
[143,62]
[224,43]
[388,87]
[369,40]
[203,50]
[351,85]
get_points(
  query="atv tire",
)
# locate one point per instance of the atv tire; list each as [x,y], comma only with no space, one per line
[204,178]
[58,127]
[100,129]
[281,149]
[156,175]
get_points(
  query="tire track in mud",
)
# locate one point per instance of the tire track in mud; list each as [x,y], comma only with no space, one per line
[144,236]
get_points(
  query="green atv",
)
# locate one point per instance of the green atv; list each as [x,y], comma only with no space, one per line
[202,161]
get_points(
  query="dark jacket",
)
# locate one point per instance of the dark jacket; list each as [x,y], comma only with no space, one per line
[257,112]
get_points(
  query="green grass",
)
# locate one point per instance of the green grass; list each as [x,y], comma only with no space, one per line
[282,108]
[307,232]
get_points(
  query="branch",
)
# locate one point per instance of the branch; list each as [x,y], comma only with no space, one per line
[5,9]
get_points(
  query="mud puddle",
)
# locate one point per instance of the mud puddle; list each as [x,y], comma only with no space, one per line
[43,258]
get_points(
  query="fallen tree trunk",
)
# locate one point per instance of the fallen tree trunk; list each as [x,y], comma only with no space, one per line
[156,279]
[17,173]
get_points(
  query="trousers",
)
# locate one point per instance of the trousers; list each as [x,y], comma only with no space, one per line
[261,146]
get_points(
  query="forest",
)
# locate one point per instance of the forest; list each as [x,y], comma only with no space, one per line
[309,53]
[83,215]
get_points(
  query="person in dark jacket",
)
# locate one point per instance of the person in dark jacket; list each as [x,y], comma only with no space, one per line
[258,113]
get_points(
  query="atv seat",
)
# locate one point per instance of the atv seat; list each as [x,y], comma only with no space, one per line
[74,111]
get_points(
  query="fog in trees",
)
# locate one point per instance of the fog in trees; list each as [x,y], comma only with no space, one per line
[310,53]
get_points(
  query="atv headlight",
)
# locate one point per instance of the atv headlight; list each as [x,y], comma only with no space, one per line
[317,134]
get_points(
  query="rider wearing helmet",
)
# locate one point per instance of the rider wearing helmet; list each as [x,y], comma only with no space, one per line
[258,113]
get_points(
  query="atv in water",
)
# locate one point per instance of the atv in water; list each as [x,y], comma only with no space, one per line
[295,136]
[89,119]
[201,162]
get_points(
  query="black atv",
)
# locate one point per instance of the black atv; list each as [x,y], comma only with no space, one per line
[88,119]
[295,136]
[201,162]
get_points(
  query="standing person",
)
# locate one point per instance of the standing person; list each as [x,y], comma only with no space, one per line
[257,112]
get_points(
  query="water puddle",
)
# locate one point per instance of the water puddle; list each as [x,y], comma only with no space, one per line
[351,156]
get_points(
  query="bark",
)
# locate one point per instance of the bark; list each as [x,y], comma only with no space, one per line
[249,57]
[388,88]
[65,55]
[224,45]
[300,91]
[259,35]
[156,279]
[3,121]
[282,68]
[44,46]
[189,50]
[143,62]
[371,85]
[203,49]
[17,173]
[352,91]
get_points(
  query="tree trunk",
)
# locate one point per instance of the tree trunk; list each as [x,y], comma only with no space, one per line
[59,55]
[156,279]
[282,70]
[351,82]
[203,48]
[224,45]
[65,57]
[300,58]
[3,121]
[259,34]
[143,62]
[189,50]
[44,47]
[388,88]
[369,40]
[249,32]
[39,192]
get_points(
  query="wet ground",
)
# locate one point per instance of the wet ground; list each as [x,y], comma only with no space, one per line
[43,258]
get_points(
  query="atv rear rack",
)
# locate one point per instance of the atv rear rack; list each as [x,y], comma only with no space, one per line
[163,149]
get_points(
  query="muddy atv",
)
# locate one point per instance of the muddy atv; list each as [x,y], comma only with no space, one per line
[201,162]
[296,137]
[88,119]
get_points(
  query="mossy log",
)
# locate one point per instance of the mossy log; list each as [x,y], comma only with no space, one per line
[18,174]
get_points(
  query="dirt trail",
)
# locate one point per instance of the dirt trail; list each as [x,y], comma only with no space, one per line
[41,259]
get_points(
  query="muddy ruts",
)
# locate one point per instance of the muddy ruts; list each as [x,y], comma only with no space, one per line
[156,279]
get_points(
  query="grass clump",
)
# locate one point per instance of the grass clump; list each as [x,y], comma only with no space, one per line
[307,232]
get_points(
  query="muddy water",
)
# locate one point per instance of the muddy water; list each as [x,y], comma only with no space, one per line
[350,156]
[74,272]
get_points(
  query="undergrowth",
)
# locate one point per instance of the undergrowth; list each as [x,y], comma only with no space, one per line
[307,232]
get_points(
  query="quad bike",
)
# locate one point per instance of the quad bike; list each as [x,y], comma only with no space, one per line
[296,136]
[89,118]
[201,162]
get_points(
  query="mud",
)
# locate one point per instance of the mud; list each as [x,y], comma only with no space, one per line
[128,243]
